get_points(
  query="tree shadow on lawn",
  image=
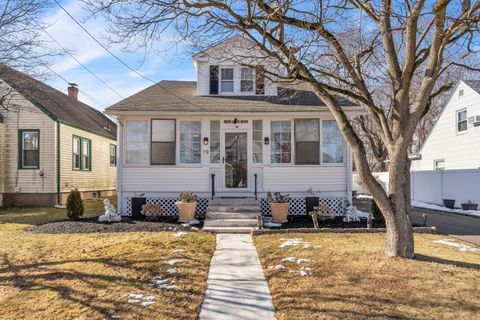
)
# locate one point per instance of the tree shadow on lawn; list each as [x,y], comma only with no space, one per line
[42,276]
[460,264]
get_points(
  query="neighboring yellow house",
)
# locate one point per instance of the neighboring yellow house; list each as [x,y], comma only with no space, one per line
[51,143]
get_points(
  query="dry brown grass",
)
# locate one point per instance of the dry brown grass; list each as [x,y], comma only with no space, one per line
[353,279]
[86,276]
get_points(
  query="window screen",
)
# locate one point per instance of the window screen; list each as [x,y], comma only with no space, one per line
[307,141]
[163,142]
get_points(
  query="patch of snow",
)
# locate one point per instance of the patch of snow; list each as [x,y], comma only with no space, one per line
[270,224]
[149,298]
[279,267]
[190,223]
[290,259]
[423,205]
[179,250]
[179,234]
[161,282]
[302,261]
[460,246]
[294,242]
[303,273]
[60,206]
[173,271]
[136,296]
[174,262]
[146,304]
[134,301]
[363,196]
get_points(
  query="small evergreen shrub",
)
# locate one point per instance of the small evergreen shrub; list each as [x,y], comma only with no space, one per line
[75,207]
[377,214]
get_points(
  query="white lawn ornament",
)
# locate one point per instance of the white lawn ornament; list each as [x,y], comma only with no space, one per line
[111,214]
[352,214]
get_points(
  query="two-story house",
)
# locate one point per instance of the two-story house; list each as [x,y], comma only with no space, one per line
[233,133]
[51,143]
[454,142]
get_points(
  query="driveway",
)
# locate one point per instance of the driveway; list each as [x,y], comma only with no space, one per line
[458,226]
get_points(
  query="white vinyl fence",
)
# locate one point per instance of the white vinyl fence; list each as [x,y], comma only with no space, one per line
[434,186]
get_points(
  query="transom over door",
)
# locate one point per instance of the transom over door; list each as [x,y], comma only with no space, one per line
[236,160]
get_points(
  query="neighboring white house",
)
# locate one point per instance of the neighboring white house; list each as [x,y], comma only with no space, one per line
[454,142]
[235,132]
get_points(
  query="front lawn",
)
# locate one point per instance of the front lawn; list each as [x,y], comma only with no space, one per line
[101,276]
[39,215]
[349,277]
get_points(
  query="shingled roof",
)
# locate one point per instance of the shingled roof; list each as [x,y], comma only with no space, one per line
[181,96]
[474,84]
[59,105]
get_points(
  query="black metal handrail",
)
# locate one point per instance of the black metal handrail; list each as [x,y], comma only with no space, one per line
[213,184]
[256,195]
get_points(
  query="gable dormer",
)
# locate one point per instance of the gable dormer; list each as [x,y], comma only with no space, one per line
[234,67]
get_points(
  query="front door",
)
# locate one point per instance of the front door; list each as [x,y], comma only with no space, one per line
[236,160]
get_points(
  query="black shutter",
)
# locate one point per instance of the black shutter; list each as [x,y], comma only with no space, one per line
[260,80]
[213,79]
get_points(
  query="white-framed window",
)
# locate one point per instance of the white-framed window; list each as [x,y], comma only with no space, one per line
[462,121]
[332,143]
[226,80]
[137,142]
[307,141]
[190,142]
[246,80]
[86,154]
[257,140]
[281,144]
[163,141]
[76,155]
[439,164]
[215,141]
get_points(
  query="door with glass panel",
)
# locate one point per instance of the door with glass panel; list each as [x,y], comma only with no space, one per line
[235,160]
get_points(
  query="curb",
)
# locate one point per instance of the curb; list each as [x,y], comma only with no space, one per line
[428,230]
[442,211]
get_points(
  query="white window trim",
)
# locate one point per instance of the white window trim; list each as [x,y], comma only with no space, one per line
[292,144]
[220,80]
[328,164]
[251,92]
[456,121]
[177,146]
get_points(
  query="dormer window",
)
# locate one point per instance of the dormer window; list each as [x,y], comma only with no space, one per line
[226,80]
[246,81]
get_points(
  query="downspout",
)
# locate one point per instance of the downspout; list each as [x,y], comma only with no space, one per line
[59,195]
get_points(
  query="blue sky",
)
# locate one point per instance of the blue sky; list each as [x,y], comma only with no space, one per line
[174,64]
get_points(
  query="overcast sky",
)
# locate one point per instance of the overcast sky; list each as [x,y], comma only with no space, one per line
[174,64]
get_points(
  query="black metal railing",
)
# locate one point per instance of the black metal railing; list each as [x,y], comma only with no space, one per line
[256,177]
[212,176]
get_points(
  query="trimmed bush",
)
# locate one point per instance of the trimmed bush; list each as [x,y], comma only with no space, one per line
[75,207]
[377,214]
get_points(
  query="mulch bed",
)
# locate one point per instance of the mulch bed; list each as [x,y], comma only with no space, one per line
[296,222]
[91,225]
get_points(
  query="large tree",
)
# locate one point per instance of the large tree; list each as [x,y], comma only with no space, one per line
[365,50]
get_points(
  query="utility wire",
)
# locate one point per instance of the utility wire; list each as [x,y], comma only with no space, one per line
[120,60]
[83,92]
[76,60]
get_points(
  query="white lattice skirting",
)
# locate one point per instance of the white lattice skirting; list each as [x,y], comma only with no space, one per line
[298,206]
[168,205]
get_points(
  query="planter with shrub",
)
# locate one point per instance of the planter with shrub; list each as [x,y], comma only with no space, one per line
[75,208]
[279,204]
[186,206]
[470,206]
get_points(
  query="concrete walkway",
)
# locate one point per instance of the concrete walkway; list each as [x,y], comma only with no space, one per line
[236,286]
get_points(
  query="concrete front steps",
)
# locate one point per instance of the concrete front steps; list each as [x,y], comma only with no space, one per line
[231,221]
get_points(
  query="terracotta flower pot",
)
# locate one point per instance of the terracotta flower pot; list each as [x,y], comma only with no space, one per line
[186,211]
[279,212]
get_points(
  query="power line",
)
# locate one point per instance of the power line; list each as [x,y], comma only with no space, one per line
[120,60]
[83,92]
[76,60]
